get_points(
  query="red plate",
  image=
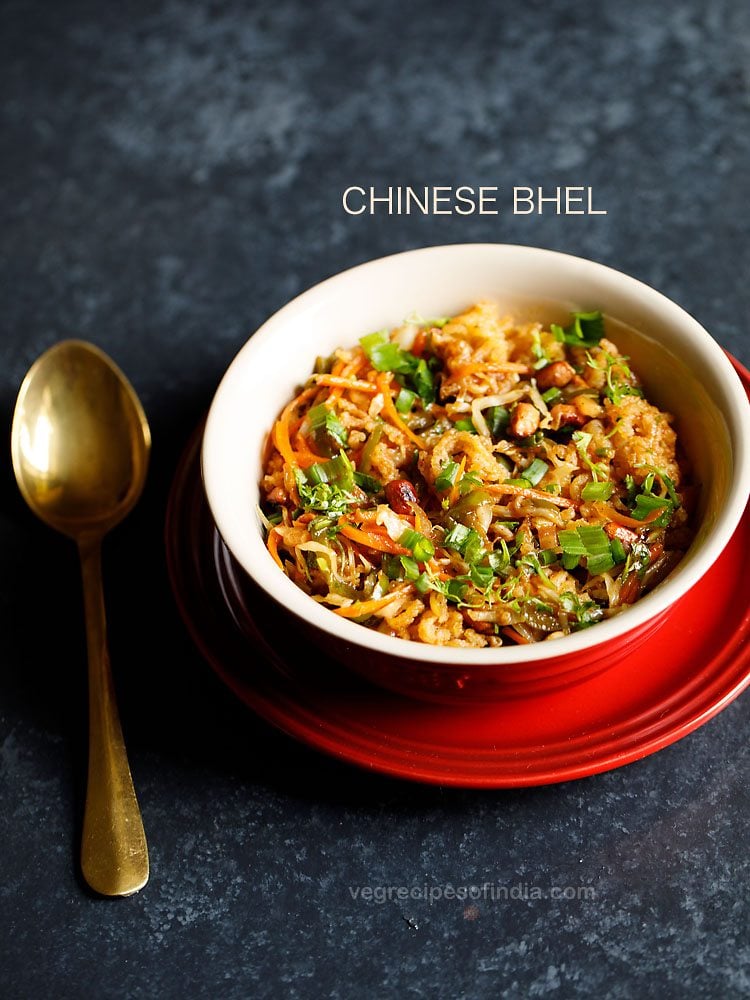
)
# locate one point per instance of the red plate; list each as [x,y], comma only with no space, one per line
[691,669]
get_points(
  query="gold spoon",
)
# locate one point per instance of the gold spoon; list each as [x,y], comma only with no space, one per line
[80,446]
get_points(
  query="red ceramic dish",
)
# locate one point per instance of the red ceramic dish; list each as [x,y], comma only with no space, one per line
[694,664]
[684,371]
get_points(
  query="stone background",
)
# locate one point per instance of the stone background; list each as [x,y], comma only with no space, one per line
[172,174]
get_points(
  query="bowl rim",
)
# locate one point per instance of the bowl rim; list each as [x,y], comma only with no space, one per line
[246,548]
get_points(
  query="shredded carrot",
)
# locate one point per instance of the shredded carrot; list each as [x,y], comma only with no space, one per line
[360,608]
[345,383]
[515,636]
[420,342]
[281,428]
[606,510]
[383,382]
[273,547]
[382,543]
[453,496]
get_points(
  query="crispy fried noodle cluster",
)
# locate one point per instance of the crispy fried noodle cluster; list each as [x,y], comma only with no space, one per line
[475,481]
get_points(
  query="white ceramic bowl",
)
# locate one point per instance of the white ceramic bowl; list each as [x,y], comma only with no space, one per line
[683,368]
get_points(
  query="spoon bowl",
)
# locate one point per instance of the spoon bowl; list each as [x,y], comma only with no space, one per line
[80,440]
[80,445]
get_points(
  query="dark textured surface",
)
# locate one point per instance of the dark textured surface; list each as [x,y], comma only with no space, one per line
[172,175]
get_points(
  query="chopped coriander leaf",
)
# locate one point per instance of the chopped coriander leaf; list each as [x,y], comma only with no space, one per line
[481,576]
[586,329]
[531,560]
[499,559]
[597,491]
[446,477]
[465,424]
[586,612]
[638,559]
[536,471]
[582,441]
[454,590]
[422,548]
[618,376]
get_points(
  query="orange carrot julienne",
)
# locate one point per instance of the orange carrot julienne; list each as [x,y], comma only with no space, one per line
[360,608]
[345,383]
[420,342]
[515,636]
[606,510]
[382,543]
[273,547]
[383,382]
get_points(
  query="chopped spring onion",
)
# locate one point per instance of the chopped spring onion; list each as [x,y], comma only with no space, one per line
[536,471]
[421,547]
[465,424]
[468,483]
[411,569]
[600,563]
[368,483]
[322,419]
[370,445]
[405,400]
[497,418]
[551,395]
[646,505]
[446,477]
[597,491]
[618,550]
[465,541]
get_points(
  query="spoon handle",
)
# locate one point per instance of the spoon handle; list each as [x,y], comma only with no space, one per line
[114,856]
